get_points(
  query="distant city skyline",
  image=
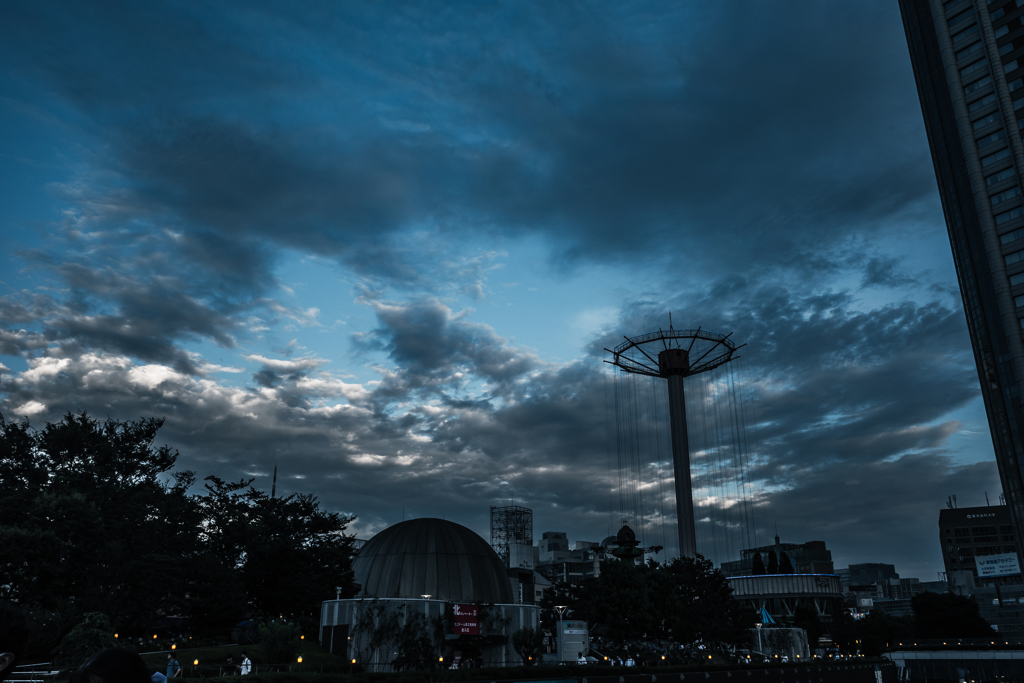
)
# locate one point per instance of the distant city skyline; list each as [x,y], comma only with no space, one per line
[384,247]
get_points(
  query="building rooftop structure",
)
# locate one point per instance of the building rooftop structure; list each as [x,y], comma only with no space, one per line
[432,557]
[807,558]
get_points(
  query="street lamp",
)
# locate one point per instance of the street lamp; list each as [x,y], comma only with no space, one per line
[560,637]
[759,625]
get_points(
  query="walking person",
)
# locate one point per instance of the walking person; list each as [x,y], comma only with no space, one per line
[246,664]
[173,668]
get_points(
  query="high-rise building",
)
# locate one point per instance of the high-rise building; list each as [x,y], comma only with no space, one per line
[969,535]
[968,59]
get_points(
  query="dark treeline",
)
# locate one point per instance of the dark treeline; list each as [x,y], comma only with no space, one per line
[654,607]
[93,520]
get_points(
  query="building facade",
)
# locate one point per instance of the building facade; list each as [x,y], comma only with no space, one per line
[807,558]
[967,534]
[968,60]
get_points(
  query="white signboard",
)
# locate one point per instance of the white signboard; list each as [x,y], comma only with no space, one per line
[998,565]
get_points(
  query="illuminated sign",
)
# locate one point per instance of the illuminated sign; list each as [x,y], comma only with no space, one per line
[998,565]
[466,620]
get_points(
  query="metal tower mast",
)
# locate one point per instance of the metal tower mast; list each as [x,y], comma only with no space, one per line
[682,353]
[510,525]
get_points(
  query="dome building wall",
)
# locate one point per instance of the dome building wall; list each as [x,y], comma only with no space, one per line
[419,571]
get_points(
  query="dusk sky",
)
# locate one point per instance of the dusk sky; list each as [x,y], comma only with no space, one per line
[382,245]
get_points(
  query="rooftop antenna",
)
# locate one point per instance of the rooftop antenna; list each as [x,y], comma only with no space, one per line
[954,500]
[949,502]
[273,488]
[986,499]
[1002,499]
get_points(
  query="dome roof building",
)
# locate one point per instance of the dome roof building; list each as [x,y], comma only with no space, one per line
[432,557]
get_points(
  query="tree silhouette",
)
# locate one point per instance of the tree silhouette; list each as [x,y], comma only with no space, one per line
[945,615]
[785,565]
[757,569]
[773,562]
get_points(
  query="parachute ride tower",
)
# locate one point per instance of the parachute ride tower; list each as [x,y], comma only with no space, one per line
[675,355]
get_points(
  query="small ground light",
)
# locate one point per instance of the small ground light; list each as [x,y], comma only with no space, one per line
[115,635]
[353,661]
[300,660]
[154,636]
[440,659]
[709,656]
[195,662]
[302,637]
[662,658]
[174,647]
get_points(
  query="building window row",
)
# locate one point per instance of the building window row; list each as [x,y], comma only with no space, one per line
[1015,257]
[1000,176]
[1004,50]
[992,138]
[1008,7]
[1018,302]
[978,85]
[986,121]
[1017,279]
[1011,236]
[1009,215]
[1005,195]
[962,17]
[1015,85]
[1002,31]
[966,33]
[1004,153]
[972,49]
[1010,66]
[985,101]
[973,68]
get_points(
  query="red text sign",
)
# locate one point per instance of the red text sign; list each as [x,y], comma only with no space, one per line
[466,620]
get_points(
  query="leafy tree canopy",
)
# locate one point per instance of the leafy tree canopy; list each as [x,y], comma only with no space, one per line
[684,601]
[945,615]
[93,519]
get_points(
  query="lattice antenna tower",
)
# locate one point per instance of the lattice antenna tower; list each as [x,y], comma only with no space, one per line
[510,525]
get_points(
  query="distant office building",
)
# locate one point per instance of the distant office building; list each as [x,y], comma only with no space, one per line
[557,560]
[968,60]
[979,540]
[807,558]
[1002,607]
[870,573]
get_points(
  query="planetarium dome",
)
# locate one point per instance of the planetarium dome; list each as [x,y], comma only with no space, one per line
[432,557]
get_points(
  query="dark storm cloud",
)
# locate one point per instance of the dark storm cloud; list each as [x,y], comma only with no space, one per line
[843,402]
[434,347]
[607,130]
[833,383]
[143,294]
[854,501]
